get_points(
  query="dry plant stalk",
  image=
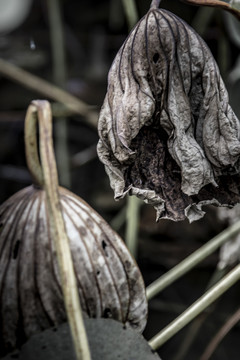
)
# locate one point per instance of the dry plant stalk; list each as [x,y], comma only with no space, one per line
[41,111]
[167,132]
[34,276]
[217,4]
[220,335]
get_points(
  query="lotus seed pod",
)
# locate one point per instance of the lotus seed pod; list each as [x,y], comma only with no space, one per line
[108,279]
[57,252]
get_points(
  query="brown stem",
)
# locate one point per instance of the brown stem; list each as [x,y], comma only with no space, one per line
[232,321]
[215,3]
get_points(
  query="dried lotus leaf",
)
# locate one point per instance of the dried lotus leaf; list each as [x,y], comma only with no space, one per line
[167,132]
[108,279]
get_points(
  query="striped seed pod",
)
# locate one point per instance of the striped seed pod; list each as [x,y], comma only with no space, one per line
[108,280]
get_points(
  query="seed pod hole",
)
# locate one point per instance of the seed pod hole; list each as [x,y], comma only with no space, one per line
[107,313]
[16,249]
[155,57]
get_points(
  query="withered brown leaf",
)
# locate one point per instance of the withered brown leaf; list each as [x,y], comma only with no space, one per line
[167,132]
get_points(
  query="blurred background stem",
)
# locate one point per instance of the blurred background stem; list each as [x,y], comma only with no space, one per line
[130,10]
[191,261]
[196,325]
[224,330]
[59,77]
[133,203]
[196,308]
[132,223]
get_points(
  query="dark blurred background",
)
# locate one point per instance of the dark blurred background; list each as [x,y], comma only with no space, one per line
[93,32]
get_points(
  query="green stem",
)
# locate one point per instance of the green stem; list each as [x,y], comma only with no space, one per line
[196,308]
[132,222]
[60,77]
[191,261]
[195,327]
[131,12]
[118,221]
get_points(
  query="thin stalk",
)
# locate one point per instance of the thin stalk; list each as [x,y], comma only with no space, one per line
[60,110]
[133,205]
[199,321]
[132,222]
[191,261]
[57,42]
[131,12]
[118,221]
[85,156]
[155,4]
[223,60]
[224,330]
[43,87]
[202,19]
[215,3]
[196,308]
[60,77]
[232,29]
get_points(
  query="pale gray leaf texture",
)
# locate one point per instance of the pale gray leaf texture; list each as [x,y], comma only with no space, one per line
[109,282]
[167,132]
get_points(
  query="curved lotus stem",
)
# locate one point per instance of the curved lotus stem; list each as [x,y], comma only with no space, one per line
[45,176]
[31,146]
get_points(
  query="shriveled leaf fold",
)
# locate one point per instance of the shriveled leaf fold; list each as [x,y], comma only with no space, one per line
[167,132]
